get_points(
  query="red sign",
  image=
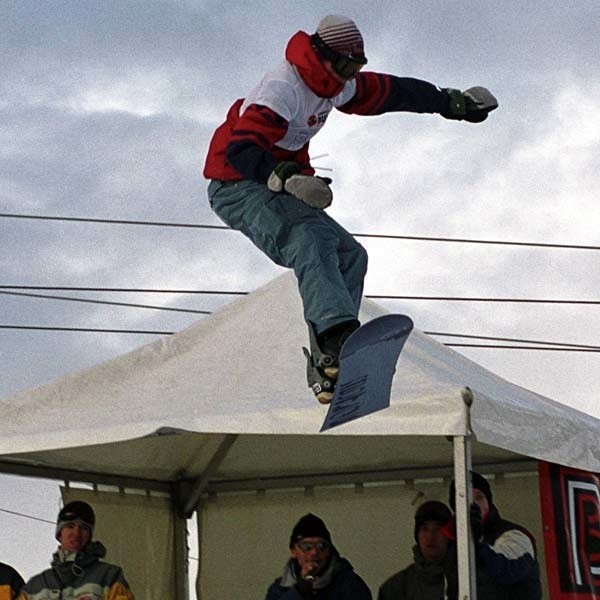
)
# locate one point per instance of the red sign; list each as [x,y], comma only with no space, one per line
[570,502]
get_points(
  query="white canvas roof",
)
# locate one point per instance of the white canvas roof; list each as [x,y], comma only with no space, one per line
[160,412]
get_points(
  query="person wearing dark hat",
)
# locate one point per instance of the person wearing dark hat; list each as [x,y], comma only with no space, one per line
[76,572]
[10,582]
[426,578]
[262,182]
[507,567]
[315,569]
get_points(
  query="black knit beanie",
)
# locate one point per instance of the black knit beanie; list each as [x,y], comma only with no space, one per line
[479,482]
[309,526]
[431,510]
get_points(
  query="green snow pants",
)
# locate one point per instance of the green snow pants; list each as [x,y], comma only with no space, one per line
[329,264]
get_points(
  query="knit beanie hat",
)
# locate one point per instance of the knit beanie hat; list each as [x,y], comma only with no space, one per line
[479,482]
[309,526]
[431,510]
[76,512]
[341,35]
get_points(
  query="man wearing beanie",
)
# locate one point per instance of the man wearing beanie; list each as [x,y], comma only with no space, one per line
[507,567]
[10,582]
[315,569]
[262,182]
[76,572]
[426,578]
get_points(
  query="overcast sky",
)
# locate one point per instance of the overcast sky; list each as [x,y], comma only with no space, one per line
[106,110]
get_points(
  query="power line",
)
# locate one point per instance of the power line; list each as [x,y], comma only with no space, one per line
[239,293]
[565,347]
[18,514]
[85,329]
[503,339]
[363,235]
[111,303]
[120,289]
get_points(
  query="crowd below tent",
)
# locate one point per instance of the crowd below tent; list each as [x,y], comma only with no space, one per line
[506,560]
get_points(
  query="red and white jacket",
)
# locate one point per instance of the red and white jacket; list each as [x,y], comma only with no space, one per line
[277,120]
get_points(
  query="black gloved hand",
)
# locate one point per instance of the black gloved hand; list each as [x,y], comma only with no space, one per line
[472,105]
[476,522]
[305,587]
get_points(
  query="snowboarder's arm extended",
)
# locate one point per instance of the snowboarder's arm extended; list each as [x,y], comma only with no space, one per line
[378,93]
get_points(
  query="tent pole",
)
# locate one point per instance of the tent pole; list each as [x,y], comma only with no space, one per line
[467,589]
[182,591]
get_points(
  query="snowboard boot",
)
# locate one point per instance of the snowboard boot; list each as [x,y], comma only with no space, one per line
[322,361]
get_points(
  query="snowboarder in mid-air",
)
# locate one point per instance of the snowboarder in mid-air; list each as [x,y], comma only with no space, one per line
[262,182]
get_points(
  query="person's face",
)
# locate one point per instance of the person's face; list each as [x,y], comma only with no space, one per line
[74,537]
[312,555]
[481,500]
[432,543]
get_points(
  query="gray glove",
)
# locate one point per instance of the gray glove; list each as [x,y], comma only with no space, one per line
[313,191]
[472,105]
[281,173]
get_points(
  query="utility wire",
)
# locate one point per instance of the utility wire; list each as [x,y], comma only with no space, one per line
[120,289]
[89,300]
[566,347]
[502,339]
[239,293]
[18,514]
[363,235]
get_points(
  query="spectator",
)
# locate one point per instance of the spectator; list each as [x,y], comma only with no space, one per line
[77,573]
[507,567]
[426,577]
[10,582]
[315,568]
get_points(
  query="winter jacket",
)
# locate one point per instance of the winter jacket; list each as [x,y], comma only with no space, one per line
[10,582]
[276,121]
[507,568]
[85,578]
[339,582]
[423,580]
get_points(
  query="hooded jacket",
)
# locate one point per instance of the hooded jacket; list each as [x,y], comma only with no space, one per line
[507,567]
[338,582]
[10,582]
[277,120]
[84,578]
[422,580]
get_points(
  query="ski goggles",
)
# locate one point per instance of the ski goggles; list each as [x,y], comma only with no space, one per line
[308,546]
[346,66]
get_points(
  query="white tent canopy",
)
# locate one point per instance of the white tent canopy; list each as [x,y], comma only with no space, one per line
[241,371]
[219,405]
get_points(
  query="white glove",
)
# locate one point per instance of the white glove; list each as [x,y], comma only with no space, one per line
[313,191]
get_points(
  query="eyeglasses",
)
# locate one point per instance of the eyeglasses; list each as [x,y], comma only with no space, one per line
[308,546]
[346,66]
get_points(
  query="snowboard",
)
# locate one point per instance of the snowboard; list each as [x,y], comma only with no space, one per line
[367,365]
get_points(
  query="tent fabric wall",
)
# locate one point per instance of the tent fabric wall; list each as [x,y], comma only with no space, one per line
[245,537]
[138,533]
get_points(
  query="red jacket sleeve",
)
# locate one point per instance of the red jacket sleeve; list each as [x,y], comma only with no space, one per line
[378,93]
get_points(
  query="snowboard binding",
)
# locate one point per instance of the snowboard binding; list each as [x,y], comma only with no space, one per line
[322,360]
